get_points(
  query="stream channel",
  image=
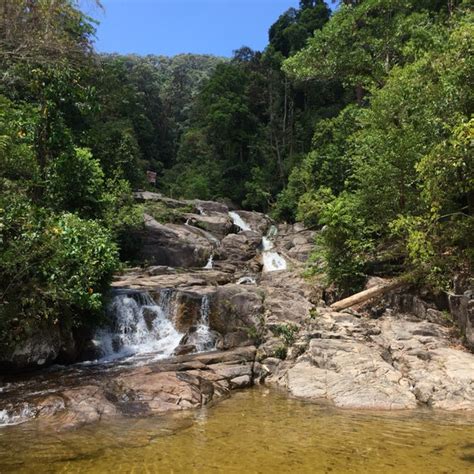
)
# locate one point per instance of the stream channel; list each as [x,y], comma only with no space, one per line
[258,430]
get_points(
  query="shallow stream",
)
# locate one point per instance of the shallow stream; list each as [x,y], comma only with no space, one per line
[258,430]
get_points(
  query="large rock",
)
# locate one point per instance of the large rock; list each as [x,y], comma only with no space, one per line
[206,207]
[441,376]
[42,347]
[239,248]
[175,245]
[217,224]
[295,241]
[287,297]
[237,313]
[144,280]
[351,375]
[68,399]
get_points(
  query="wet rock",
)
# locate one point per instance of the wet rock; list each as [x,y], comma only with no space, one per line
[49,406]
[184,349]
[187,310]
[149,316]
[158,391]
[83,396]
[91,351]
[241,382]
[192,338]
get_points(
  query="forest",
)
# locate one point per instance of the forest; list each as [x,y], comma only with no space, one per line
[356,122]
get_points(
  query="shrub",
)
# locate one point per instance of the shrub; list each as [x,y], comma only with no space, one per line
[51,268]
[281,352]
[287,332]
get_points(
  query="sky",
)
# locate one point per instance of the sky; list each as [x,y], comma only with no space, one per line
[170,27]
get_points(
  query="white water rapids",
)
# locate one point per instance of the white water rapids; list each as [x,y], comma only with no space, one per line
[238,221]
[210,263]
[204,338]
[139,326]
[272,261]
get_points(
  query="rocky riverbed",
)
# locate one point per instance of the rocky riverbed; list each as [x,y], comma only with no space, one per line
[220,303]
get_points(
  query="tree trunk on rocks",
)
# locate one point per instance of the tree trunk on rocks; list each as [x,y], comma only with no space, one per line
[365,295]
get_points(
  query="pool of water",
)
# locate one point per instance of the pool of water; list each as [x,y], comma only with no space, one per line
[257,431]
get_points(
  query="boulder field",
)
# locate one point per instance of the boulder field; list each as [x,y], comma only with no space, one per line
[273,327]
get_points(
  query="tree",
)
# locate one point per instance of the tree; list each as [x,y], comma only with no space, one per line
[44,31]
[361,44]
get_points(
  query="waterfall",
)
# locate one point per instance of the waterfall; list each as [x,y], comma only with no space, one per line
[272,261]
[138,326]
[238,221]
[204,339]
[210,263]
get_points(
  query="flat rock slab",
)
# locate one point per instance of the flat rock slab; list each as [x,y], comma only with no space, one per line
[393,363]
[350,375]
[145,281]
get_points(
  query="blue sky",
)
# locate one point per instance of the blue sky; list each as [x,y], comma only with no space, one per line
[171,27]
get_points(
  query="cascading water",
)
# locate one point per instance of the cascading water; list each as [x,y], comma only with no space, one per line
[238,221]
[210,263]
[139,326]
[204,339]
[272,261]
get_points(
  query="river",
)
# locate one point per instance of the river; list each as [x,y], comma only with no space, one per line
[258,430]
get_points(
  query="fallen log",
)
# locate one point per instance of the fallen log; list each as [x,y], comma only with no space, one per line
[366,295]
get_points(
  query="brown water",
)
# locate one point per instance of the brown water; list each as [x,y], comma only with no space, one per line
[259,431]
